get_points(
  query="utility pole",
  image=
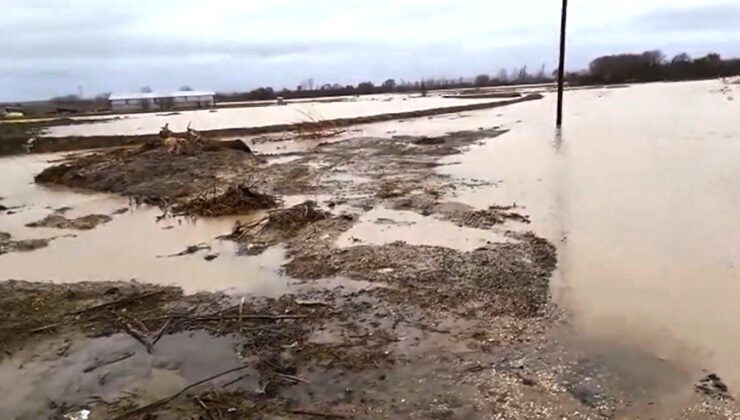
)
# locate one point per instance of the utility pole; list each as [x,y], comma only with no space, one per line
[561,68]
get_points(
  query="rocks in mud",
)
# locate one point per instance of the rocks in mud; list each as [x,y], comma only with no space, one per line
[496,279]
[713,387]
[483,219]
[57,221]
[461,214]
[7,244]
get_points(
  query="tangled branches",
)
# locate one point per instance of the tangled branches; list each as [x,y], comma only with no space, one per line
[237,199]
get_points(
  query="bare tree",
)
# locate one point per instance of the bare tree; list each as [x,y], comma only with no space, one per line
[482,80]
[389,85]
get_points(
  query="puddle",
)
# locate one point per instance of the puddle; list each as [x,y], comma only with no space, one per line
[128,247]
[283,159]
[640,193]
[383,226]
[296,199]
[347,177]
[38,376]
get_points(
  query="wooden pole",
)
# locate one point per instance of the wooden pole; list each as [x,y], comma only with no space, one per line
[561,67]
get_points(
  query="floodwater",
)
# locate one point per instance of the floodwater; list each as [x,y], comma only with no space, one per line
[641,193]
[134,124]
[132,246]
[381,226]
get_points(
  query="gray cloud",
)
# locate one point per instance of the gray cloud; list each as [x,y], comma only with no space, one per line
[74,46]
[49,47]
[703,18]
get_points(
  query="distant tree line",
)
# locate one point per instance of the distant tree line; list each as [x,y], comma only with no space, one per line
[648,66]
[309,90]
[651,66]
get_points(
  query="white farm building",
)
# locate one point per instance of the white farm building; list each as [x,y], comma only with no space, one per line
[155,101]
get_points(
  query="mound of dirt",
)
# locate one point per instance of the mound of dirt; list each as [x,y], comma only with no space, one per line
[57,221]
[204,182]
[7,244]
[278,226]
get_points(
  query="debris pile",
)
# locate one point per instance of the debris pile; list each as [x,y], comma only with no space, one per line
[278,226]
[57,221]
[236,199]
[486,218]
[317,127]
[190,142]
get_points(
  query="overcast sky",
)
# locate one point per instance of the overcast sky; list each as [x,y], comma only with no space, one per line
[50,47]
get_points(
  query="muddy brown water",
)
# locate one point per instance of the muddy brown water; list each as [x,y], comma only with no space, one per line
[132,246]
[640,193]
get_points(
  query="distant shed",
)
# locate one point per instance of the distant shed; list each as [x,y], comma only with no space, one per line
[155,101]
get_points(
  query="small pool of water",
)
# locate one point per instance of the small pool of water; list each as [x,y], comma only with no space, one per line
[132,246]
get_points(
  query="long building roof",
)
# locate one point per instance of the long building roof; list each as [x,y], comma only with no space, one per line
[152,95]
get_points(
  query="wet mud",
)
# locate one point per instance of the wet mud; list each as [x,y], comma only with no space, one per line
[8,244]
[58,221]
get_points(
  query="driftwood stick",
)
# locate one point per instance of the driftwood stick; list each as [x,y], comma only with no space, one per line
[317,414]
[107,362]
[135,334]
[239,378]
[124,301]
[227,317]
[161,331]
[46,327]
[292,378]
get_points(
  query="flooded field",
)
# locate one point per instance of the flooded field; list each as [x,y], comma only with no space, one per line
[640,194]
[223,118]
[403,270]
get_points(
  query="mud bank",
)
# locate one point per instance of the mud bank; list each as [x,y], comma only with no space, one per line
[200,181]
[369,325]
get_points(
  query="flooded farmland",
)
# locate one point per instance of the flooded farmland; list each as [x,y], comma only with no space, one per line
[465,265]
[224,118]
[638,193]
